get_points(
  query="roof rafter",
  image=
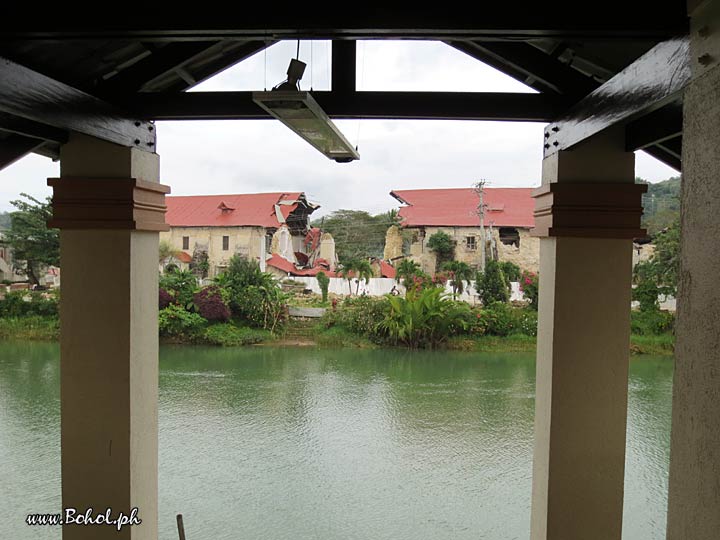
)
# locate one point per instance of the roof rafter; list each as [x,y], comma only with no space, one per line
[530,66]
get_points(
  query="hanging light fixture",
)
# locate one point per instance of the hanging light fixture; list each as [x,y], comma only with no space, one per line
[302,114]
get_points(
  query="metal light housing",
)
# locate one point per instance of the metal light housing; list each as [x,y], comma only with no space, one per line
[302,114]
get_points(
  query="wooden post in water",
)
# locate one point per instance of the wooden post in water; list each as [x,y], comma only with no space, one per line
[181,527]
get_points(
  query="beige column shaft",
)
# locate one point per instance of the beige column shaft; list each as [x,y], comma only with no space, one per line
[583,211]
[108,206]
[694,487]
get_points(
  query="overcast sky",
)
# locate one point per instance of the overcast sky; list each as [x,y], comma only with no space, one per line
[253,156]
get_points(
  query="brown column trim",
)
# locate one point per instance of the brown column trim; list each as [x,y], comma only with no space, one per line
[108,203]
[589,209]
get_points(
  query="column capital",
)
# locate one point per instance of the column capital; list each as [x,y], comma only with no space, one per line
[589,209]
[108,203]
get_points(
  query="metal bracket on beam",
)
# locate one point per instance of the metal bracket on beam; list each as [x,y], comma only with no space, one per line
[33,96]
[655,79]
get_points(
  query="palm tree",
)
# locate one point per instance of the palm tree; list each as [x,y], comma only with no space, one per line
[355,268]
[406,270]
[460,272]
[364,271]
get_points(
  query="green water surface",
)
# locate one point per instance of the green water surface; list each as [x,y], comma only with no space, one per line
[264,443]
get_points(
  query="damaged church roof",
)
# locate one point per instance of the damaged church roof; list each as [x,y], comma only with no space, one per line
[247,209]
[458,207]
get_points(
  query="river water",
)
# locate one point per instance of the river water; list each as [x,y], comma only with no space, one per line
[265,443]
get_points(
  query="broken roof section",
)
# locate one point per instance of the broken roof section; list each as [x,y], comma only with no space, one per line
[268,210]
[458,207]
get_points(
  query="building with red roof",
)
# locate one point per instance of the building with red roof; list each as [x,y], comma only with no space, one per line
[259,226]
[503,225]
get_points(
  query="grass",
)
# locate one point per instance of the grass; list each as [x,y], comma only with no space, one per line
[338,337]
[661,344]
[511,343]
[33,328]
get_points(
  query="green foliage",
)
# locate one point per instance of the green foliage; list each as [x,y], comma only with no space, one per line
[33,327]
[406,271]
[658,275]
[492,285]
[423,319]
[357,269]
[254,296]
[443,246]
[324,283]
[530,287]
[358,234]
[651,322]
[229,335]
[33,244]
[29,304]
[501,319]
[358,315]
[458,273]
[174,321]
[661,204]
[511,271]
[181,285]
[200,263]
[262,306]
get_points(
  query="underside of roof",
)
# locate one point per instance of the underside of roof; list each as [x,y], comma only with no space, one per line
[142,69]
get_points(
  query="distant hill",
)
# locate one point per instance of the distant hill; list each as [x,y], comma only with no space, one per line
[661,204]
[4,220]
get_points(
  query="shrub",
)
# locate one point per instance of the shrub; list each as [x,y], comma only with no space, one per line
[511,271]
[181,285]
[501,319]
[174,321]
[443,246]
[651,322]
[530,287]
[492,285]
[29,304]
[262,306]
[423,319]
[164,298]
[358,315]
[211,304]
[646,293]
[229,335]
[324,283]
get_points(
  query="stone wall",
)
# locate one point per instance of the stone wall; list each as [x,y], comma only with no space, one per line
[526,256]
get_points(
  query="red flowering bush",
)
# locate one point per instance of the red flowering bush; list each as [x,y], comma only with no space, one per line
[529,285]
[165,299]
[211,305]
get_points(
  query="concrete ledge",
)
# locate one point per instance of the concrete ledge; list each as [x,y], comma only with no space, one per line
[310,312]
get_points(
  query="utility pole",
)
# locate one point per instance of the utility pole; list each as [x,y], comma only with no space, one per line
[479,189]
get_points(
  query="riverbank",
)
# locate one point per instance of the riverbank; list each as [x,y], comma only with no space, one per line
[303,333]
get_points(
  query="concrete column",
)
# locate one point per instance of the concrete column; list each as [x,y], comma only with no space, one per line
[694,487]
[587,212]
[109,206]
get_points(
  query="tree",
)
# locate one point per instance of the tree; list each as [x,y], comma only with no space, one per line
[443,246]
[458,273]
[406,271]
[355,268]
[492,284]
[33,244]
[658,275]
[358,234]
[324,283]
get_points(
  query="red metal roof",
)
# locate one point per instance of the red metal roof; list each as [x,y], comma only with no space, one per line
[387,270]
[458,207]
[283,264]
[183,257]
[253,209]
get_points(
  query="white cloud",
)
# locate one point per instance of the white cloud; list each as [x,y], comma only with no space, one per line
[251,156]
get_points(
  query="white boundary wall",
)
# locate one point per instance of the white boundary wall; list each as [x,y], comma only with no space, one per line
[382,286]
